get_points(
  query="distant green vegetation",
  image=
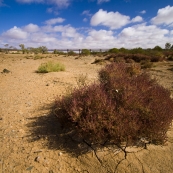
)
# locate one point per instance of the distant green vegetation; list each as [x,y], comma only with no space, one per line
[58,52]
[85,52]
[156,52]
[50,67]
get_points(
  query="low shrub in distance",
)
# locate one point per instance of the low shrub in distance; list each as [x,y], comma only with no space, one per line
[38,57]
[146,64]
[85,52]
[125,106]
[134,57]
[98,61]
[50,67]
[71,53]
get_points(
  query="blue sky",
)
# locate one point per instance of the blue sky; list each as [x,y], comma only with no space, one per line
[59,24]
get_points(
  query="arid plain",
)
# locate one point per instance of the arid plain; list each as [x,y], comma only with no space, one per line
[31,139]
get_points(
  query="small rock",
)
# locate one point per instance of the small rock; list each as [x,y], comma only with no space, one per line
[60,153]
[29,168]
[5,71]
[37,159]
[38,151]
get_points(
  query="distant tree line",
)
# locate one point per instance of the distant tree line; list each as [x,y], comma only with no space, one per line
[85,52]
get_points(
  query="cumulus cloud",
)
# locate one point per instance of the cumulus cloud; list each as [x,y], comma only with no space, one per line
[42,38]
[69,32]
[31,28]
[15,33]
[100,35]
[144,36]
[96,39]
[59,3]
[164,16]
[54,21]
[113,20]
[101,1]
[143,12]
[66,36]
[64,30]
[137,19]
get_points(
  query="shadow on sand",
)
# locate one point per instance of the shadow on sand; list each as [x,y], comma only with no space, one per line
[48,129]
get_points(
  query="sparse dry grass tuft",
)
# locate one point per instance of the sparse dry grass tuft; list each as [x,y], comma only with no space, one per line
[50,67]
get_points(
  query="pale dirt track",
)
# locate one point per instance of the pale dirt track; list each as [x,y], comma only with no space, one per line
[31,139]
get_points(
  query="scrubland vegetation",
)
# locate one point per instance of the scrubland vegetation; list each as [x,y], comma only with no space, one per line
[146,57]
[50,67]
[124,106]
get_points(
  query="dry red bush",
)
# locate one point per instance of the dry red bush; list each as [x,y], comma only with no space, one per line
[125,106]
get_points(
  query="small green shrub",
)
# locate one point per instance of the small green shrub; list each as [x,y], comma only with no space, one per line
[58,52]
[50,67]
[71,53]
[113,50]
[38,57]
[98,61]
[85,52]
[125,106]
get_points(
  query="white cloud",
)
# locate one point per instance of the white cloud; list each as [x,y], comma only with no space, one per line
[30,1]
[49,10]
[103,35]
[59,3]
[66,36]
[164,16]
[85,19]
[113,20]
[137,19]
[143,12]
[86,12]
[97,39]
[54,21]
[69,31]
[101,1]
[65,31]
[15,33]
[31,28]
[54,10]
[42,38]
[109,19]
[144,36]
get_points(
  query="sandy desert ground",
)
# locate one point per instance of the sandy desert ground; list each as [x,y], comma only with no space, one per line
[31,139]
